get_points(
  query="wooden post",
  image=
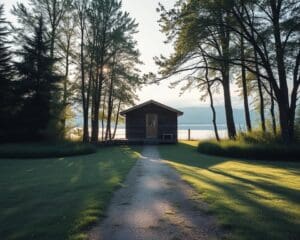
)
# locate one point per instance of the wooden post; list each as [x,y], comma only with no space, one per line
[189,134]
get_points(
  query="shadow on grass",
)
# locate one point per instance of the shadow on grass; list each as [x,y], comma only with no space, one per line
[254,199]
[59,198]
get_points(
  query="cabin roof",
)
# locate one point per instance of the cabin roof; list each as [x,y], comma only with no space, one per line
[179,113]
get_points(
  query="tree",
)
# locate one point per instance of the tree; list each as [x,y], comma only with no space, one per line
[199,24]
[122,69]
[108,23]
[208,86]
[37,83]
[274,25]
[53,12]
[66,44]
[81,7]
[244,84]
[7,112]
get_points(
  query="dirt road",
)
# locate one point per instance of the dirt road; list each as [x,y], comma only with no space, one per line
[155,204]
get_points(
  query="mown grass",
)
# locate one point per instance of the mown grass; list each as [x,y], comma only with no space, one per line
[255,145]
[252,200]
[45,149]
[59,198]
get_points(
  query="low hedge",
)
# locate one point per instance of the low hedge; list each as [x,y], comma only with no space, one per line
[228,148]
[45,150]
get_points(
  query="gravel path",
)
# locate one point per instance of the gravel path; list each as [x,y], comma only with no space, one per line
[155,204]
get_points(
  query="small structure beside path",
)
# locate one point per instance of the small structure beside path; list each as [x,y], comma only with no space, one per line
[151,122]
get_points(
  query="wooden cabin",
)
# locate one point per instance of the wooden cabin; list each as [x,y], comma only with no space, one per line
[151,122]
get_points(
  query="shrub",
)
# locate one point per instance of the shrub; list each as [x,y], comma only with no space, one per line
[258,137]
[45,150]
[257,151]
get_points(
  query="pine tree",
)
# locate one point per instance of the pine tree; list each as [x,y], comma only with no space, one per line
[38,83]
[6,75]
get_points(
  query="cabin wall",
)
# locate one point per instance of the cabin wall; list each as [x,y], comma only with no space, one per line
[136,122]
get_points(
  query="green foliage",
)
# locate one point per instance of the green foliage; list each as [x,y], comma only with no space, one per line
[37,85]
[201,48]
[7,98]
[59,198]
[109,56]
[258,137]
[250,199]
[251,147]
[5,55]
[45,150]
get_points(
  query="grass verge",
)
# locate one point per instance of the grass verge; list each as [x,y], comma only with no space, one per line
[45,150]
[59,198]
[252,200]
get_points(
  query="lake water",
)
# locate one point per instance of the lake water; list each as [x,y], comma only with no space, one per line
[198,131]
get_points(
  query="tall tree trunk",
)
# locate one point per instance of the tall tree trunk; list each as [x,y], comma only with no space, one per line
[110,106]
[95,116]
[245,90]
[109,113]
[94,119]
[103,116]
[225,40]
[228,109]
[99,83]
[52,41]
[272,111]
[214,117]
[65,87]
[92,112]
[285,115]
[284,121]
[292,113]
[117,120]
[85,109]
[261,96]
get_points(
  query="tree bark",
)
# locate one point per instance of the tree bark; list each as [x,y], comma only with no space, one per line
[109,110]
[225,40]
[292,112]
[110,101]
[276,70]
[261,96]
[102,117]
[228,109]
[95,115]
[214,115]
[214,118]
[284,122]
[85,101]
[117,120]
[272,111]
[245,90]
[65,83]
[286,116]
[98,86]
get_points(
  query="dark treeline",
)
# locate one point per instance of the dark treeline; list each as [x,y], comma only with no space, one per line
[61,54]
[255,43]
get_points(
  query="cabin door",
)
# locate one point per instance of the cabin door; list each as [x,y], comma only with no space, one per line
[151,125]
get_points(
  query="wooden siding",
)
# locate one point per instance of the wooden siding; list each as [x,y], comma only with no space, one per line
[136,122]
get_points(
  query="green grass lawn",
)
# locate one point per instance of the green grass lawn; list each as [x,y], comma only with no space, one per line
[251,199]
[59,198]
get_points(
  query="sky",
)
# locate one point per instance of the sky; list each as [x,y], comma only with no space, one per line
[151,43]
